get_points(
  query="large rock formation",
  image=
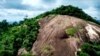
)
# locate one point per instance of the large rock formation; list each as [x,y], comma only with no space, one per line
[62,35]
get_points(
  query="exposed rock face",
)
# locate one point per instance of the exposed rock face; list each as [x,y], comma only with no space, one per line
[63,35]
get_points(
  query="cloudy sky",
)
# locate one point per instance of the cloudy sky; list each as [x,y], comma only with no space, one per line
[16,10]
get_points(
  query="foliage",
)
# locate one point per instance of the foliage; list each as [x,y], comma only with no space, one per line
[3,26]
[71,31]
[90,49]
[82,54]
[47,49]
[28,54]
[71,11]
[22,35]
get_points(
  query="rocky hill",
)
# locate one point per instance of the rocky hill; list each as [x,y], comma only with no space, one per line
[64,31]
[62,35]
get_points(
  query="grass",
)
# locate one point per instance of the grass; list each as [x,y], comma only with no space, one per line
[47,49]
[27,54]
[71,31]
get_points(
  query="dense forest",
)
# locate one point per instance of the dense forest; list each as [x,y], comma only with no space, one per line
[14,36]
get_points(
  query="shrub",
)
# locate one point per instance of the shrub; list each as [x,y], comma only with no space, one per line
[92,49]
[71,31]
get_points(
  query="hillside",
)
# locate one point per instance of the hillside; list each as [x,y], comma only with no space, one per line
[63,35]
[25,33]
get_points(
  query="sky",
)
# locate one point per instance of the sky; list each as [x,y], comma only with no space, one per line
[17,10]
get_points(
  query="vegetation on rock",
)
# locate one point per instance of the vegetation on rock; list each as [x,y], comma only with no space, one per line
[71,31]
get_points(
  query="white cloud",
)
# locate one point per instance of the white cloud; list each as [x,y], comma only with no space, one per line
[32,2]
[35,4]
[16,15]
[41,6]
[91,11]
[2,1]
[40,3]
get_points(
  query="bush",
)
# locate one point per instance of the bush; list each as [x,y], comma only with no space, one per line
[83,54]
[71,31]
[92,49]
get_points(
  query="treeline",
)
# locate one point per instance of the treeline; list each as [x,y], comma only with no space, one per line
[71,11]
[17,35]
[4,26]
[23,34]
